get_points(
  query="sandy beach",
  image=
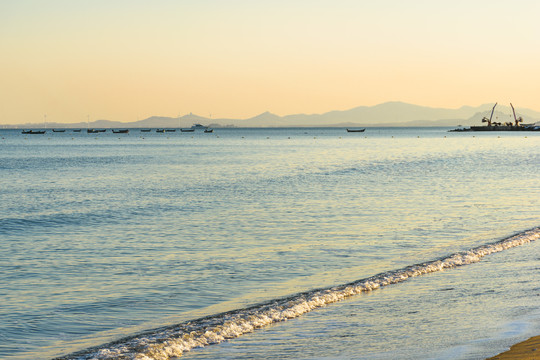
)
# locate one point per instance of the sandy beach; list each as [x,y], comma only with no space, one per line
[526,350]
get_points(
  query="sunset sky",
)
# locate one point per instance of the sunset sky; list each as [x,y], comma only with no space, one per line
[128,60]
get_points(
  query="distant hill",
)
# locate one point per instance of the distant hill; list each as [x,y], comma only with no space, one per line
[386,114]
[392,114]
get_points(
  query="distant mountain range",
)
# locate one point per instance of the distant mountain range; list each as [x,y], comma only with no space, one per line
[386,114]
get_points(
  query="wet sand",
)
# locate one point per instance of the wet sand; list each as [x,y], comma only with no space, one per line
[526,350]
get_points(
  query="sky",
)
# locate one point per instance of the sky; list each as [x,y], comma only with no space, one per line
[71,60]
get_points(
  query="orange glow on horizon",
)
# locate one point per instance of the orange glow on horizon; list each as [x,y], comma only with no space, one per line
[237,60]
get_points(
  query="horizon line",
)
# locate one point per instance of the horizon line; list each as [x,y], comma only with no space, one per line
[191,114]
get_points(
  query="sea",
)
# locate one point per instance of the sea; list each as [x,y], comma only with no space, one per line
[268,243]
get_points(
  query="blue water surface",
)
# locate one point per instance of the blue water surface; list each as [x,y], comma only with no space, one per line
[106,235]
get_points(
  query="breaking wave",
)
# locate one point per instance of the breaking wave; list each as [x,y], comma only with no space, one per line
[172,341]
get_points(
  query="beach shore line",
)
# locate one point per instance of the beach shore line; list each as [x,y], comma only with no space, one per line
[526,350]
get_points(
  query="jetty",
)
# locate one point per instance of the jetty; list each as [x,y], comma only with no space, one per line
[517,125]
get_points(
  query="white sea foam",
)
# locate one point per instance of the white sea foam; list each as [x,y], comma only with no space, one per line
[169,342]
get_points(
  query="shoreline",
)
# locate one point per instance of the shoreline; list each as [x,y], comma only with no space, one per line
[525,350]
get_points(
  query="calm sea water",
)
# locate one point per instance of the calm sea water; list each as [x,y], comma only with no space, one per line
[151,246]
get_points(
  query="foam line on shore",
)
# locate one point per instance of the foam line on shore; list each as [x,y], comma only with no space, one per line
[172,341]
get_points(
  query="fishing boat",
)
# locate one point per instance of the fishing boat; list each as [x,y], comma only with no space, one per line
[76,130]
[145,130]
[160,130]
[59,130]
[120,131]
[33,131]
[356,130]
[92,131]
[170,130]
[195,127]
[208,130]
